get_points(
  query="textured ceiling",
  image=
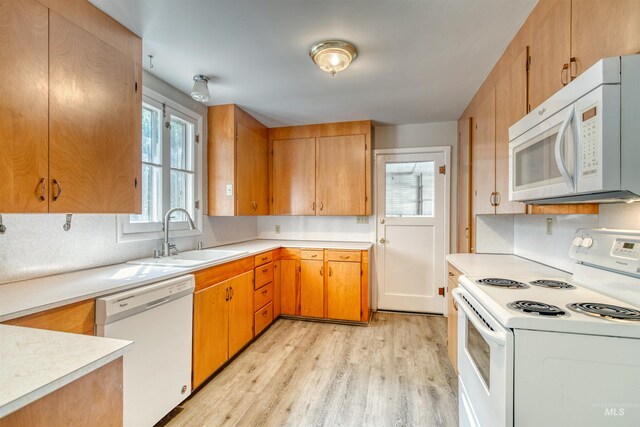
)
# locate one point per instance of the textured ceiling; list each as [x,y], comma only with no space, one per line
[419,61]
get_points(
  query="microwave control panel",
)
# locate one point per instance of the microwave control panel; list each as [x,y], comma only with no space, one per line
[590,137]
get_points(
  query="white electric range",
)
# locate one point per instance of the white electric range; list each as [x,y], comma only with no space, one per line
[552,351]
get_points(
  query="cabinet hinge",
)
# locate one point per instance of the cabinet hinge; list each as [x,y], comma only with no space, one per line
[197,204]
[442,170]
[529,63]
[136,87]
[441,292]
[197,139]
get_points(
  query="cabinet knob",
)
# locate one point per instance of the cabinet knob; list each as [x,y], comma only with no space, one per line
[383,240]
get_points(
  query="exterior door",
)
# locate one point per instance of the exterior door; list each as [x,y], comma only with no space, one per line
[411,231]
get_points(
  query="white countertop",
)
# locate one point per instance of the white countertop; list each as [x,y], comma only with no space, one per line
[497,265]
[31,296]
[35,362]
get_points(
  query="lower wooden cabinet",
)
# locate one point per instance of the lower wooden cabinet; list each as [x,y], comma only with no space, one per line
[452,319]
[325,283]
[311,288]
[222,324]
[76,318]
[343,290]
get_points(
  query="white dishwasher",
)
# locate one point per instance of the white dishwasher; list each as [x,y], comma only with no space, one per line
[157,372]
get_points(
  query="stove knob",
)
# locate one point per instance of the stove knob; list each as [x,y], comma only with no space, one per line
[577,241]
[587,242]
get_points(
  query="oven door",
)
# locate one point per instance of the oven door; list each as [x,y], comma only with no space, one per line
[485,365]
[542,160]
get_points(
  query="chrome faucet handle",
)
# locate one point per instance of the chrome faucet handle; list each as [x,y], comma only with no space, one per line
[157,253]
[174,247]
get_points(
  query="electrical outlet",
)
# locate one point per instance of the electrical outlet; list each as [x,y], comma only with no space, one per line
[362,219]
[229,189]
[277,228]
[549,226]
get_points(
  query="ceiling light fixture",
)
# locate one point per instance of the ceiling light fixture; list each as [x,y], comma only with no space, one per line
[200,91]
[333,56]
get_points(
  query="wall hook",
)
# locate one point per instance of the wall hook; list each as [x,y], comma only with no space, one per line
[67,224]
[150,61]
[2,227]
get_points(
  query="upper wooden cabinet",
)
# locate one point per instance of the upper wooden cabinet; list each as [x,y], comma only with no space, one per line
[293,180]
[24,86]
[464,185]
[483,156]
[69,126]
[550,28]
[321,169]
[92,123]
[237,163]
[511,105]
[603,28]
[340,166]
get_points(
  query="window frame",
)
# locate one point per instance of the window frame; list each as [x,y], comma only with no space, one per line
[128,231]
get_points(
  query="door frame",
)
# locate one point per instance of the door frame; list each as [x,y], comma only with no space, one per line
[446,151]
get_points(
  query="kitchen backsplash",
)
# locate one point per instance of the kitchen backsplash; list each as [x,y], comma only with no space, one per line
[526,235]
[331,228]
[36,245]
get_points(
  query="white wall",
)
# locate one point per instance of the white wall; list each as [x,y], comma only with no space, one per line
[36,245]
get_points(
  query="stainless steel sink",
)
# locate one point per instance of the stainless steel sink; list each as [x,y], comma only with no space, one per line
[190,258]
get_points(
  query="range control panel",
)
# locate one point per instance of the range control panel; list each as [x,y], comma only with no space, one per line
[610,249]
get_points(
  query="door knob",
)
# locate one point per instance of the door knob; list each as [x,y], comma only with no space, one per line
[381,220]
[383,240]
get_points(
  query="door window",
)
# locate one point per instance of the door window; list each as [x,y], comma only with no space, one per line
[409,189]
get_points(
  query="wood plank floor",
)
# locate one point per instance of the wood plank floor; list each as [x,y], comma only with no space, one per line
[393,373]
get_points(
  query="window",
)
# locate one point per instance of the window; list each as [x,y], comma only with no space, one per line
[171,160]
[410,189]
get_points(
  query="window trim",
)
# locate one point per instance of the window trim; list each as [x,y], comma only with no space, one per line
[126,231]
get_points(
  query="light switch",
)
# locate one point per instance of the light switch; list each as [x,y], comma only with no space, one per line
[229,189]
[362,219]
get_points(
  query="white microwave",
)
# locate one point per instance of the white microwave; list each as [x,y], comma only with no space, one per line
[583,143]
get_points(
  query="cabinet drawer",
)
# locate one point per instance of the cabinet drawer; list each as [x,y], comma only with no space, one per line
[262,296]
[263,258]
[263,317]
[312,254]
[264,275]
[353,256]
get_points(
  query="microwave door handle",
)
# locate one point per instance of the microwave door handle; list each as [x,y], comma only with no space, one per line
[487,333]
[559,150]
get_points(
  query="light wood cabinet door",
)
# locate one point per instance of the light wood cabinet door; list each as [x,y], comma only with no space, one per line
[240,311]
[76,318]
[464,186]
[293,177]
[277,286]
[343,290]
[452,326]
[603,28]
[340,175]
[289,286]
[93,109]
[483,156]
[252,163]
[511,106]
[311,288]
[24,91]
[549,49]
[210,331]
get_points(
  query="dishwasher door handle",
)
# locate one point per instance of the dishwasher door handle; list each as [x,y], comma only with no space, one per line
[158,302]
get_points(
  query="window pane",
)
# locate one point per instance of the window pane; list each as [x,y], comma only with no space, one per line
[151,144]
[182,193]
[409,189]
[151,195]
[181,144]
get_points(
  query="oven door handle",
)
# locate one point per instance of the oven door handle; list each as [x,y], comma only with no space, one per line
[487,333]
[559,149]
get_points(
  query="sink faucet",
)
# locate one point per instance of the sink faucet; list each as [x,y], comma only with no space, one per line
[166,246]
